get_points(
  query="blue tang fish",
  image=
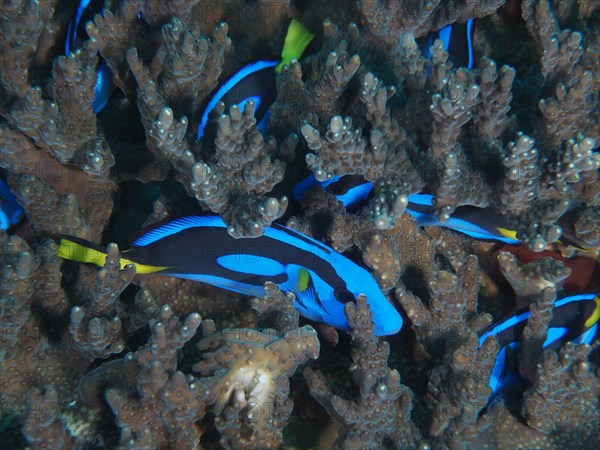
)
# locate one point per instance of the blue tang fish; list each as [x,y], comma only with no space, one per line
[354,190]
[10,210]
[199,248]
[575,319]
[76,34]
[458,42]
[256,81]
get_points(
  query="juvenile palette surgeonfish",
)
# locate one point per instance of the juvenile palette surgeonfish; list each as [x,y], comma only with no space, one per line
[199,248]
[76,34]
[354,190]
[256,81]
[574,319]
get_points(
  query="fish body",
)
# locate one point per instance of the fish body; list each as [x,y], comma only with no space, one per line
[458,42]
[479,223]
[257,80]
[76,35]
[199,248]
[575,319]
[254,82]
[10,210]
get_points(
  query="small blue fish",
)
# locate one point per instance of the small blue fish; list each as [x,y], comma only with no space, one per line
[256,81]
[458,42]
[354,190]
[575,319]
[10,210]
[76,34]
[199,248]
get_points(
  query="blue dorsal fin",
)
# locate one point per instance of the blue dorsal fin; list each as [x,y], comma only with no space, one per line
[276,231]
[297,239]
[173,226]
[512,321]
[575,298]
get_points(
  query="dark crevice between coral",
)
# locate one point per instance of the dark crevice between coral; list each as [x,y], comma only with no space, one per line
[413,279]
[10,430]
[51,325]
[134,203]
[210,436]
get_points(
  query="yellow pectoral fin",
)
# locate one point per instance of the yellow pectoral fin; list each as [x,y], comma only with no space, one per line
[303,279]
[78,252]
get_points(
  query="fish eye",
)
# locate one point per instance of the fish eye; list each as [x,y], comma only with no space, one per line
[344,296]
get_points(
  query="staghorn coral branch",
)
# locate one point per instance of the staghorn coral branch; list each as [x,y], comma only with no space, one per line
[382,158]
[576,165]
[96,326]
[157,12]
[549,404]
[458,391]
[331,70]
[22,24]
[522,176]
[287,316]
[189,67]
[531,279]
[242,172]
[491,114]
[383,407]
[159,411]
[390,253]
[114,33]
[44,428]
[409,64]
[51,123]
[387,18]
[323,208]
[451,310]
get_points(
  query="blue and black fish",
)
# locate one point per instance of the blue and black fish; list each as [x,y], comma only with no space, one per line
[458,42]
[256,81]
[11,212]
[76,35]
[199,248]
[574,319]
[353,191]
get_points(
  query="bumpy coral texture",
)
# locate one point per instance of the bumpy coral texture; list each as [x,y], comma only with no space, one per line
[104,358]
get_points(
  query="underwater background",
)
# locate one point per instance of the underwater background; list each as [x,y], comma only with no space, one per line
[450,148]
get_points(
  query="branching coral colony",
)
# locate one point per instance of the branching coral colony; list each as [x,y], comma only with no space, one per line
[104,358]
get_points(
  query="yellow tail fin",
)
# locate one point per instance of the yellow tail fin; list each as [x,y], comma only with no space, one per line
[86,253]
[297,39]
[512,234]
[589,323]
